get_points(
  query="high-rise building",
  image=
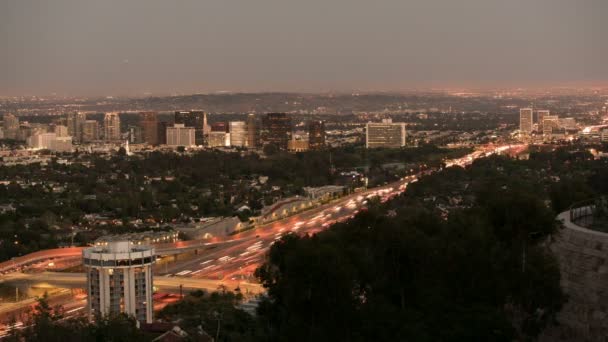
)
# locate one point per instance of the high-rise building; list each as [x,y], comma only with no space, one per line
[277,129]
[196,119]
[238,133]
[540,115]
[218,139]
[180,135]
[525,120]
[61,131]
[135,134]
[252,131]
[75,123]
[316,135]
[11,126]
[162,132]
[149,125]
[41,140]
[111,127]
[119,280]
[90,131]
[550,124]
[385,134]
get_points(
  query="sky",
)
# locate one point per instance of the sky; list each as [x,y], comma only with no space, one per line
[135,47]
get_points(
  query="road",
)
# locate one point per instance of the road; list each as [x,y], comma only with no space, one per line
[231,261]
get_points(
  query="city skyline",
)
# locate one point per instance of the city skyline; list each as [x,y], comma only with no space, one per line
[90,49]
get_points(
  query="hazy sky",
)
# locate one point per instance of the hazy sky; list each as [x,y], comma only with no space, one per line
[108,47]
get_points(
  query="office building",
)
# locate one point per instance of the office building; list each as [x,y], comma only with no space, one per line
[135,135]
[111,127]
[75,123]
[252,131]
[568,123]
[540,115]
[149,126]
[277,130]
[41,140]
[316,135]
[11,126]
[162,132]
[180,135]
[61,131]
[550,124]
[195,119]
[238,133]
[61,144]
[385,134]
[525,120]
[297,145]
[119,280]
[90,131]
[218,139]
[50,141]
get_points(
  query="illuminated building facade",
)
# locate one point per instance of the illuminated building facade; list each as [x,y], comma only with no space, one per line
[386,134]
[119,280]
[525,120]
[316,135]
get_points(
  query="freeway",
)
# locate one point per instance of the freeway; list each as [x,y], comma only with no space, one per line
[78,280]
[235,257]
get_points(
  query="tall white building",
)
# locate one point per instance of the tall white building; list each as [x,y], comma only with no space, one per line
[180,135]
[111,127]
[385,134]
[119,280]
[525,120]
[42,140]
[541,114]
[75,123]
[238,133]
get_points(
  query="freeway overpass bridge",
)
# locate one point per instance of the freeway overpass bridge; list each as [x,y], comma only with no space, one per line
[78,280]
[71,252]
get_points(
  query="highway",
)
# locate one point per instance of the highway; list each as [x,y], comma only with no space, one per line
[231,261]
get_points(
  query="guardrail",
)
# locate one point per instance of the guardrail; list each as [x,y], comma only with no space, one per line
[585,213]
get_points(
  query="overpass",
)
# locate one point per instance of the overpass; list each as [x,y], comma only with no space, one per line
[78,280]
[69,252]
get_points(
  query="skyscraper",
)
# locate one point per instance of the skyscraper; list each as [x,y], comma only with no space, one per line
[61,131]
[111,127]
[180,135]
[540,115]
[525,120]
[135,134]
[75,122]
[149,125]
[385,134]
[90,131]
[162,132]
[550,124]
[277,129]
[316,135]
[11,126]
[238,133]
[195,119]
[252,131]
[119,280]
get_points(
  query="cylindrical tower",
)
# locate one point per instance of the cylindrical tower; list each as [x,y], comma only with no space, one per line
[119,280]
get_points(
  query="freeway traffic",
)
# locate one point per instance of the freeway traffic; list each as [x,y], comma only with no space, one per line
[236,257]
